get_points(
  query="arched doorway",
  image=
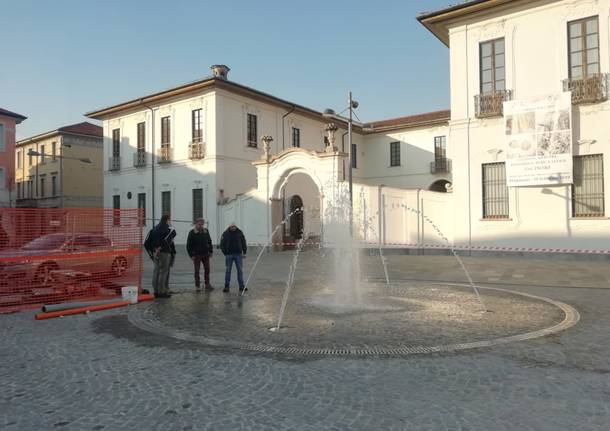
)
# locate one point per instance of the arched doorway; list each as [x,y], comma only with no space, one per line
[440,186]
[297,217]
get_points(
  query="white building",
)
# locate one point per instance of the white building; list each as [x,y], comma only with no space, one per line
[210,161]
[205,137]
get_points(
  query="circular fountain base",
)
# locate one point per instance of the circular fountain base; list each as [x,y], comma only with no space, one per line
[396,320]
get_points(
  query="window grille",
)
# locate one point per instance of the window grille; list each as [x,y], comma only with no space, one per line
[588,188]
[495,191]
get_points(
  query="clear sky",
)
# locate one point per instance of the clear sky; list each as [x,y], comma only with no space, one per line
[66,57]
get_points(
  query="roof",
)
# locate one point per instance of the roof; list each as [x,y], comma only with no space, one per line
[16,116]
[435,21]
[204,83]
[85,128]
[411,121]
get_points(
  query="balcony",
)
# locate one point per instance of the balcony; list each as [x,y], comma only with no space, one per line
[591,89]
[441,165]
[490,104]
[114,163]
[165,154]
[139,159]
[196,150]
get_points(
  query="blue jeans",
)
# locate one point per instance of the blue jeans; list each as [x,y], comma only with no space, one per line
[229,259]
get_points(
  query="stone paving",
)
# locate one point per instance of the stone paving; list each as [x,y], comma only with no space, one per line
[99,372]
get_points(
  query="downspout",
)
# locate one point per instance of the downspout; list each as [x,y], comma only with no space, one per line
[468,147]
[283,118]
[418,223]
[152,158]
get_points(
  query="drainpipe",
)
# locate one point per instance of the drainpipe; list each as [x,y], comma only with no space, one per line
[152,157]
[283,118]
[468,148]
[418,223]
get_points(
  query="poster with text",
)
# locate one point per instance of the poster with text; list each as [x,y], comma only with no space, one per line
[539,141]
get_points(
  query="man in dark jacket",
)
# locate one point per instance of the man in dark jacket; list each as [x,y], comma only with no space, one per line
[199,249]
[233,246]
[164,251]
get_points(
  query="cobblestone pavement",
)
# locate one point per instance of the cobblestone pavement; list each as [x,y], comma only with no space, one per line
[99,372]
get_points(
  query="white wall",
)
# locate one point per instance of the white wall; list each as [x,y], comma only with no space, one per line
[536,63]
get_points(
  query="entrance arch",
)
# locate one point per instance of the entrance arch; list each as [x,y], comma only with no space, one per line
[296,220]
[441,186]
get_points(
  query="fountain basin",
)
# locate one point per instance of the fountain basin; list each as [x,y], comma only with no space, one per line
[403,319]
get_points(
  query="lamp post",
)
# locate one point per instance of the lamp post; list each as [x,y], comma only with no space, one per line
[329,113]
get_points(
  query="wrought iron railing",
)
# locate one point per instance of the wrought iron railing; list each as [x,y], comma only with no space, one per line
[196,150]
[140,159]
[591,89]
[165,154]
[490,104]
[114,163]
[440,165]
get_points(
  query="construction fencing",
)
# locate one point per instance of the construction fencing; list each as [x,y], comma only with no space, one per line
[50,256]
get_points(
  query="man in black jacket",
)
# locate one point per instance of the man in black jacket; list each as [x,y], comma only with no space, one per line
[233,246]
[164,251]
[199,249]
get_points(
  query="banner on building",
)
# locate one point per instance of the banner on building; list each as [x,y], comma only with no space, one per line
[539,141]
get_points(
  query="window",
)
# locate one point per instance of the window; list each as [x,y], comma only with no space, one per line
[42,155]
[495,191]
[19,190]
[492,70]
[296,137]
[2,138]
[142,208]
[30,190]
[53,151]
[583,41]
[42,188]
[354,155]
[588,188]
[197,203]
[440,148]
[141,144]
[196,131]
[18,159]
[394,153]
[2,179]
[166,203]
[29,159]
[54,185]
[116,143]
[116,213]
[165,132]
[252,132]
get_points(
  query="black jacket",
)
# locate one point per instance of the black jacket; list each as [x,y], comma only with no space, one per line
[163,236]
[199,243]
[233,242]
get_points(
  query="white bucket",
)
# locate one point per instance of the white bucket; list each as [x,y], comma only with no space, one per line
[130,293]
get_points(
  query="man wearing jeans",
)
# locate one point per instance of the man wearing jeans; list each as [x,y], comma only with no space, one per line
[233,246]
[199,249]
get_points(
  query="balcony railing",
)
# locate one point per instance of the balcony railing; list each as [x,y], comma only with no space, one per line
[165,154]
[592,89]
[140,159]
[440,165]
[114,163]
[196,150]
[490,104]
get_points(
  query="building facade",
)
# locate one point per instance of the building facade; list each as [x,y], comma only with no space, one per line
[191,152]
[8,123]
[519,51]
[61,168]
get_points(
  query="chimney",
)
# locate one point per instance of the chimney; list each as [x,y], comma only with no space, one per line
[220,71]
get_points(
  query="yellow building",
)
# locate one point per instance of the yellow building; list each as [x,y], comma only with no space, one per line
[61,168]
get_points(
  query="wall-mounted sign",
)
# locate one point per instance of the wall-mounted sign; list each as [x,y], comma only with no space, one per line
[539,141]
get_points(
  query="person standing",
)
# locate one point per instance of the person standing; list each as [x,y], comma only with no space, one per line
[199,249]
[233,246]
[164,252]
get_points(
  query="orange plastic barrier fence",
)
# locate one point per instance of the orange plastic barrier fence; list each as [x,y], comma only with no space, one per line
[52,255]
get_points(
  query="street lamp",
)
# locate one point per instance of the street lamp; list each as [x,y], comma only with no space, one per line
[329,113]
